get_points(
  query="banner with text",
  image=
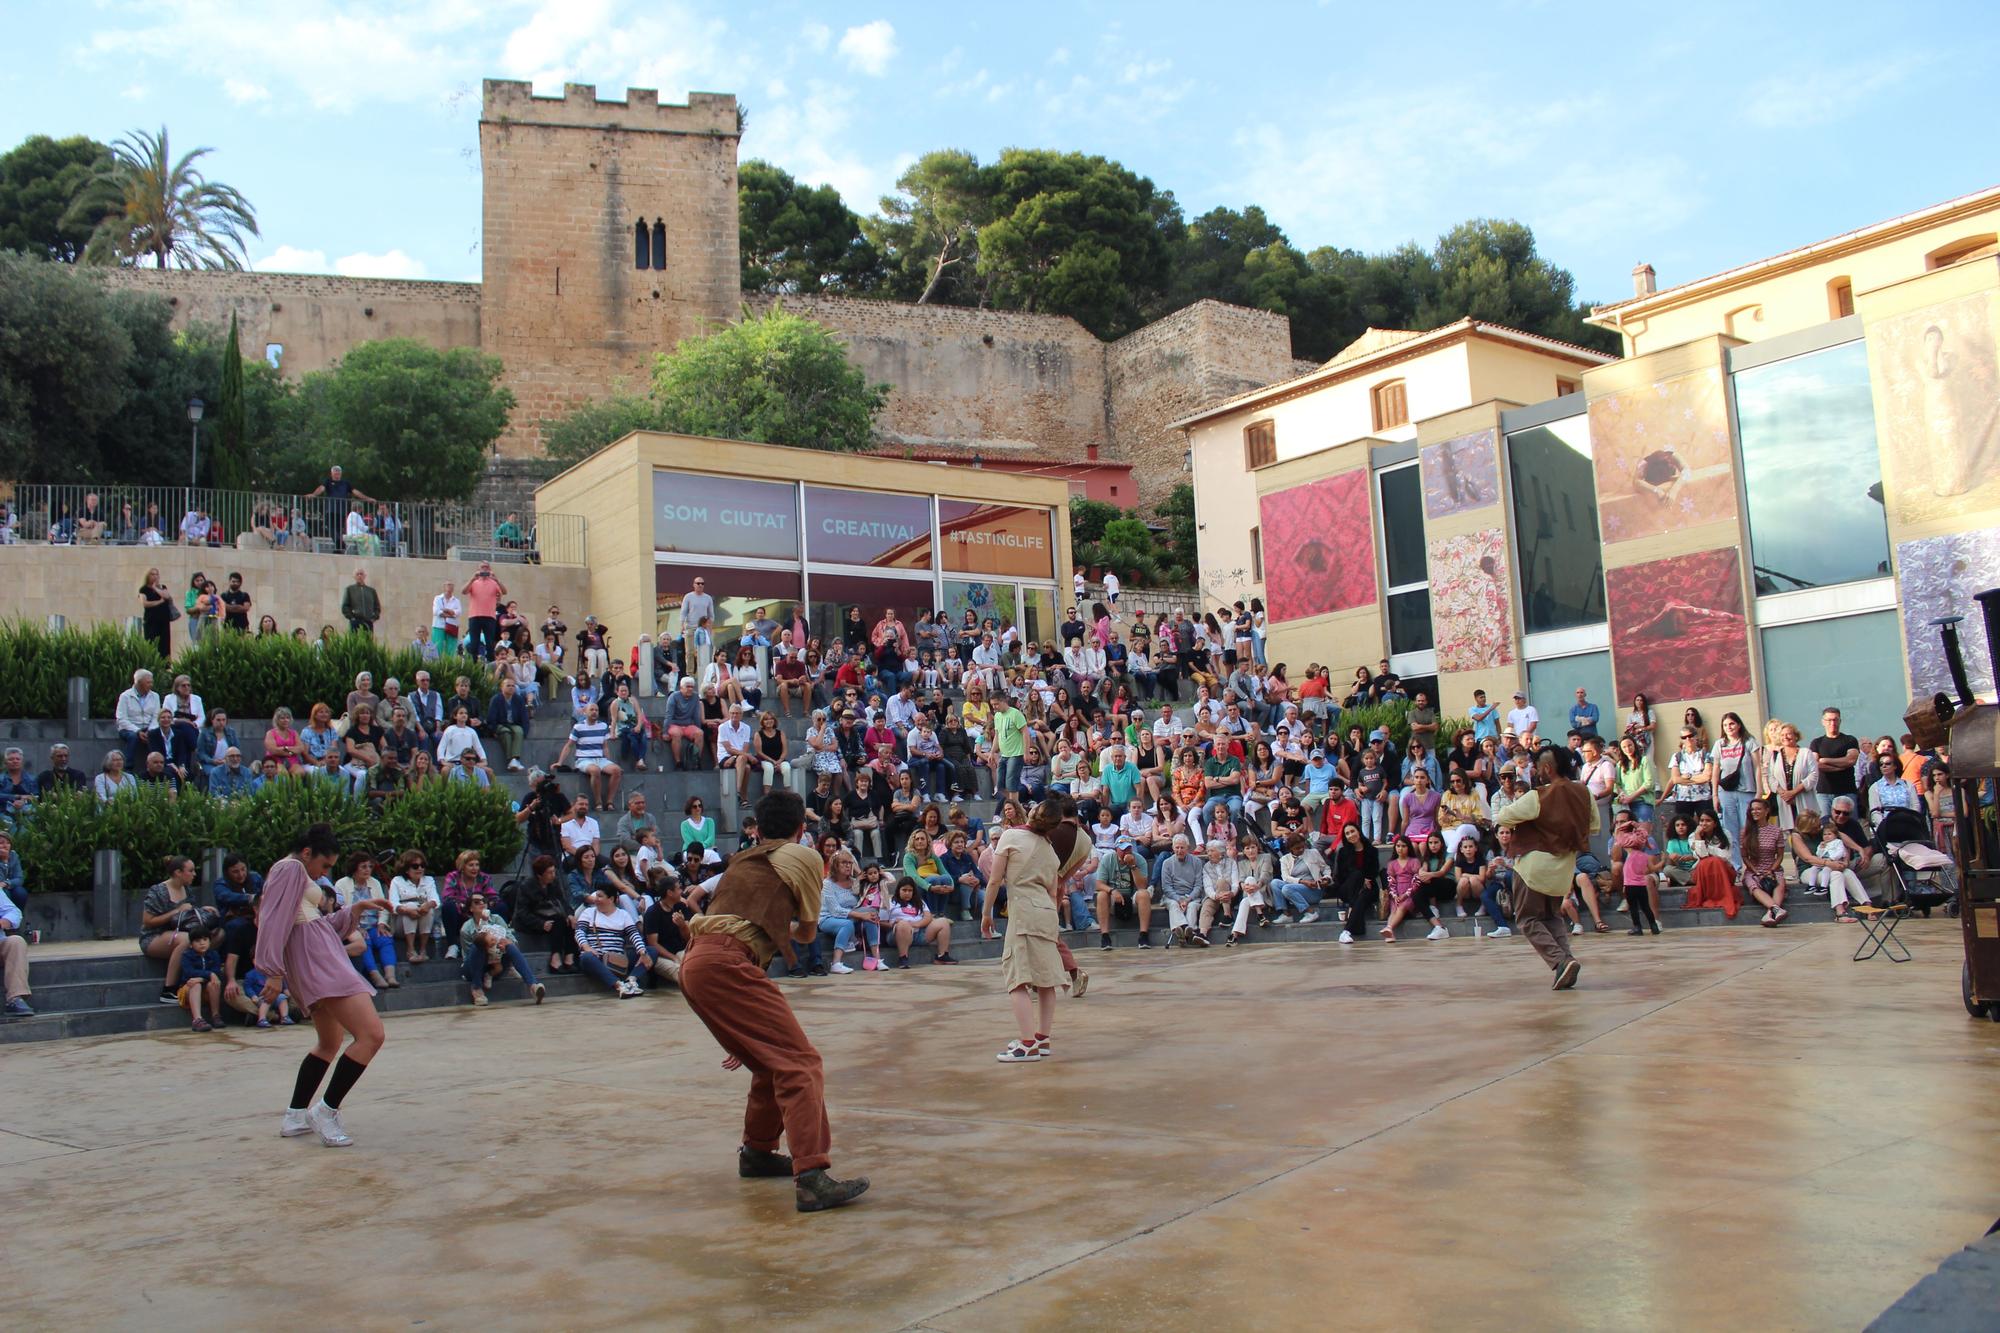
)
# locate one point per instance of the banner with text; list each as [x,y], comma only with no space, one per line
[868,528]
[709,515]
[996,539]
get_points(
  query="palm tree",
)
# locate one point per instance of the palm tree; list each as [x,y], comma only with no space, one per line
[153,205]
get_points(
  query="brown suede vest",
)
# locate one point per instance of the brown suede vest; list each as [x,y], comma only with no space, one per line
[1563,826]
[752,888]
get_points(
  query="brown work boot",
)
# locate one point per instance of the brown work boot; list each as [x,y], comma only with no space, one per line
[817,1191]
[755,1164]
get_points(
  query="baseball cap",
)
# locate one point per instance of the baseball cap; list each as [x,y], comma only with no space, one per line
[1124,844]
[1379,734]
[1318,754]
[1518,694]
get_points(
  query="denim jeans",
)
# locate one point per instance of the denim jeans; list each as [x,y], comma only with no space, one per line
[1374,817]
[1010,776]
[1295,897]
[599,971]
[1080,915]
[1734,805]
[632,746]
[1234,804]
[1489,899]
[475,966]
[845,929]
[937,892]
[377,952]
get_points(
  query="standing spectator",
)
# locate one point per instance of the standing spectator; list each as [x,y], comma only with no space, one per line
[696,606]
[360,604]
[1485,717]
[1522,719]
[1110,588]
[1583,715]
[235,605]
[482,610]
[158,612]
[200,604]
[445,620]
[1837,755]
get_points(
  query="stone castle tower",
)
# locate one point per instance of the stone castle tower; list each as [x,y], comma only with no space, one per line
[610,234]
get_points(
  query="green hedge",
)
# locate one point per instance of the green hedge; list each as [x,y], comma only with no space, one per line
[36,665]
[61,832]
[1394,718]
[249,677]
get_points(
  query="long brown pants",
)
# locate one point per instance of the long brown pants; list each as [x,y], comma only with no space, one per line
[14,966]
[1540,918]
[749,1018]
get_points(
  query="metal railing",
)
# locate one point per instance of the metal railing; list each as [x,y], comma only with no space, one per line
[179,515]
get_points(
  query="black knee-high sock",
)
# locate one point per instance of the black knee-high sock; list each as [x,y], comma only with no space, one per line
[344,1075]
[311,1070]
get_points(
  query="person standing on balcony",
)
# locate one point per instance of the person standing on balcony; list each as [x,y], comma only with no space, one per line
[445,612]
[360,604]
[339,493]
[482,611]
[696,606]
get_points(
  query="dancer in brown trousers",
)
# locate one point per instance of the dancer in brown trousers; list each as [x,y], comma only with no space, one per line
[767,901]
[1551,823]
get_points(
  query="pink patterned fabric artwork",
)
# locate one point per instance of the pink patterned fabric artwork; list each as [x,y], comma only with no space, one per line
[1319,547]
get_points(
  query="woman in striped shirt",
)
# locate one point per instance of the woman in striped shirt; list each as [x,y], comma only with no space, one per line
[607,937]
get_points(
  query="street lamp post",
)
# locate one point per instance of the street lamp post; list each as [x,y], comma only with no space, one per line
[195,408]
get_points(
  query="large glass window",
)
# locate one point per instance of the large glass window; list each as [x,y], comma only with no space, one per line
[868,528]
[1811,473]
[1853,663]
[833,594]
[1552,686]
[1409,601]
[1555,526]
[1038,614]
[994,601]
[712,515]
[741,596]
[996,539]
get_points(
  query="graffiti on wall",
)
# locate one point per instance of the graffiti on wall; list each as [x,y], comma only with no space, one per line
[1677,627]
[1663,456]
[1319,547]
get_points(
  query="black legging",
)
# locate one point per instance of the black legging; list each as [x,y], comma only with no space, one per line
[1639,906]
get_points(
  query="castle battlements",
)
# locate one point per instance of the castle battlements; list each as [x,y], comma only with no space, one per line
[513,102]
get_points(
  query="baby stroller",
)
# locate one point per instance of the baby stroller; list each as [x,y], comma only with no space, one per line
[1924,876]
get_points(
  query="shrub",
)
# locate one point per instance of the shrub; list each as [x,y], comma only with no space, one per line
[1394,718]
[36,665]
[253,677]
[56,840]
[262,825]
[152,823]
[442,819]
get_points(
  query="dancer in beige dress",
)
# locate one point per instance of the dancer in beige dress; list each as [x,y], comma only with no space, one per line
[1026,863]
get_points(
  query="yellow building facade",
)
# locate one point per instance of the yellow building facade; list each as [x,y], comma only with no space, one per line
[769,529]
[1760,509]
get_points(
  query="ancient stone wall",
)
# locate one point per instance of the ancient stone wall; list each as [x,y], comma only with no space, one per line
[567,184]
[1198,355]
[312,318]
[994,381]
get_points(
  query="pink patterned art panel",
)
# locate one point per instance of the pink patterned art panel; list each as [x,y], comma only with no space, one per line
[1474,627]
[1677,627]
[1319,547]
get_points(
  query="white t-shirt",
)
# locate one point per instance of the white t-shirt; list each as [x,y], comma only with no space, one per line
[1523,720]
[455,741]
[1110,584]
[732,735]
[580,832]
[444,608]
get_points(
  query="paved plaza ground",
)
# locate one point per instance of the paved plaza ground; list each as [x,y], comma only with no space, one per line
[1718,1129]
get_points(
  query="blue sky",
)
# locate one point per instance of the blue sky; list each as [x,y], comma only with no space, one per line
[1697,141]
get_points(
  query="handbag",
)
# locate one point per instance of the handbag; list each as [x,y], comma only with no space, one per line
[173,610]
[1731,780]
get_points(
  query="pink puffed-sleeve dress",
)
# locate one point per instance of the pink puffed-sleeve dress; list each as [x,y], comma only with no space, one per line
[310,952]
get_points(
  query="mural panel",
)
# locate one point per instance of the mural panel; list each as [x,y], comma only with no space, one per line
[1940,408]
[1474,626]
[1459,474]
[1937,577]
[1663,457]
[1319,547]
[1677,628]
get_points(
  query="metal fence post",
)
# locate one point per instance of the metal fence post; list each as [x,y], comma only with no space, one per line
[211,864]
[79,704]
[646,664]
[106,889]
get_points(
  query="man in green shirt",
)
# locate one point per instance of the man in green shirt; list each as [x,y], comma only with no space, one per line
[361,605]
[1423,720]
[1222,779]
[1120,778]
[1010,731]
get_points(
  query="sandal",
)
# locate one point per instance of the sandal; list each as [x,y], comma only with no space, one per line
[1602,929]
[1846,918]
[1019,1053]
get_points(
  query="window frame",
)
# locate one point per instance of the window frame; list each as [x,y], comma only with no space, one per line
[1379,398]
[1412,662]
[1260,444]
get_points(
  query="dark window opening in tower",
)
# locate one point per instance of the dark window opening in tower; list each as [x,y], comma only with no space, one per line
[659,245]
[639,244]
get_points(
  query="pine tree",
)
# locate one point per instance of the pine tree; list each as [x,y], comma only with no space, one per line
[230,469]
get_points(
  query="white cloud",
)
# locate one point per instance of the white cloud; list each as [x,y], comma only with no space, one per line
[393,264]
[812,137]
[776,88]
[243,93]
[671,47]
[1800,100]
[134,92]
[291,259]
[1059,56]
[817,35]
[870,47]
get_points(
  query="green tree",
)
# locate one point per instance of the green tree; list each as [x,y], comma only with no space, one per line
[777,378]
[1211,254]
[64,370]
[928,232]
[230,467]
[405,420]
[155,206]
[570,439]
[1489,269]
[39,178]
[799,238]
[1078,235]
[1178,510]
[1088,519]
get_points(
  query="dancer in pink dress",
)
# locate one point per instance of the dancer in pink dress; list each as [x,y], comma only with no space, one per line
[301,951]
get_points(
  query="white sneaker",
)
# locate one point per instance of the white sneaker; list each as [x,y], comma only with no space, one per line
[840,969]
[1346,937]
[1461,909]
[452,952]
[513,766]
[1498,933]
[296,1123]
[1308,918]
[326,1121]
[627,989]
[1438,932]
[1576,927]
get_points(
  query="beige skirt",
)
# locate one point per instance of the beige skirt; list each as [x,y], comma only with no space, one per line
[1029,956]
